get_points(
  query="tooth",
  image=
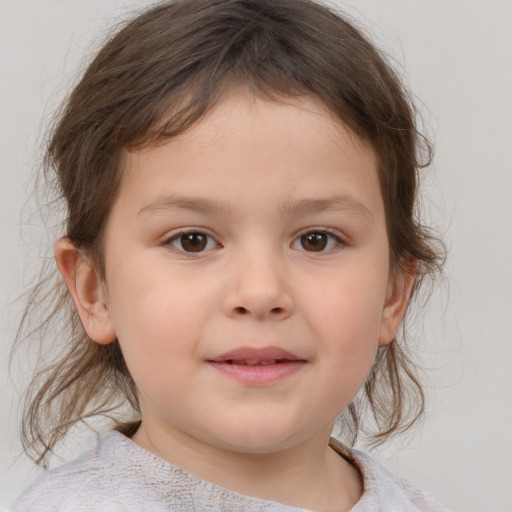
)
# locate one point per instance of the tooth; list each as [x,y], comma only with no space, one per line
[252,362]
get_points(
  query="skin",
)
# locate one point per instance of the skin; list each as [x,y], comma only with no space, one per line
[254,176]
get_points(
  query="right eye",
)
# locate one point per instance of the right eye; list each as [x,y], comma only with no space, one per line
[192,241]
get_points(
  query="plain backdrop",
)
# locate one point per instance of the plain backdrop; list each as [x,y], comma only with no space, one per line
[457,56]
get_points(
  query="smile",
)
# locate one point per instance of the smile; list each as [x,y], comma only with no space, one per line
[257,367]
[254,362]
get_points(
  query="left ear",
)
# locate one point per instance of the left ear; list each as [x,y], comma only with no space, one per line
[397,299]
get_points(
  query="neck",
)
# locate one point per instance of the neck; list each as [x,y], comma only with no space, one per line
[308,475]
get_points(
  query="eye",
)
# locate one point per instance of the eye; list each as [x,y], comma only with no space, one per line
[317,241]
[192,241]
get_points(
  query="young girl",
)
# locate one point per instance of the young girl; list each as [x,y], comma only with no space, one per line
[241,246]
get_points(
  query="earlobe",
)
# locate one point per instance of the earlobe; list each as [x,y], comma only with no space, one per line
[397,300]
[87,290]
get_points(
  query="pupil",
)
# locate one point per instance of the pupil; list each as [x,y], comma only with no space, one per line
[193,242]
[314,241]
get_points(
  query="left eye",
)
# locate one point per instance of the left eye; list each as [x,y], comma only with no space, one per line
[316,241]
[192,242]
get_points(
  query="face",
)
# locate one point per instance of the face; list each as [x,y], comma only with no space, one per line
[247,275]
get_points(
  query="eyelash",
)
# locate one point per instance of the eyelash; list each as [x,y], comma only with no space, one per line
[178,238]
[333,238]
[333,242]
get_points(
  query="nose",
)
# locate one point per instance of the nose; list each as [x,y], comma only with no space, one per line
[258,288]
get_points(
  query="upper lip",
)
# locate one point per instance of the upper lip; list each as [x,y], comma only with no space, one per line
[256,355]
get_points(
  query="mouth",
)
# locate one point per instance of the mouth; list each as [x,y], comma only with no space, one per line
[256,362]
[256,356]
[257,366]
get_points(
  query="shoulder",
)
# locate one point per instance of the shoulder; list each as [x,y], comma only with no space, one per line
[383,491]
[120,476]
[91,482]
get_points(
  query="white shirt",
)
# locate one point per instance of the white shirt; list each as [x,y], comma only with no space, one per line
[118,475]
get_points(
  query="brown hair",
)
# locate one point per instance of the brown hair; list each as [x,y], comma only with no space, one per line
[153,80]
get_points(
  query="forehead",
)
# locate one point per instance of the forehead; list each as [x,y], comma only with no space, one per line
[244,136]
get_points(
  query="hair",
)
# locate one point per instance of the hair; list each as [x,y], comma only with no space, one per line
[154,79]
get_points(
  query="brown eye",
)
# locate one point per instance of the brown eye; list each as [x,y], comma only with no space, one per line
[194,242]
[314,242]
[320,240]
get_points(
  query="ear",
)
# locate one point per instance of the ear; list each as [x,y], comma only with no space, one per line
[88,291]
[397,299]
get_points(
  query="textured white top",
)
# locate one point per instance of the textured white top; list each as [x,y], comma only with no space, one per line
[118,475]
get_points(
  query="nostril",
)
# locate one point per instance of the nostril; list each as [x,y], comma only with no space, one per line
[277,311]
[241,310]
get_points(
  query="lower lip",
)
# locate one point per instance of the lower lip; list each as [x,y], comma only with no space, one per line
[258,375]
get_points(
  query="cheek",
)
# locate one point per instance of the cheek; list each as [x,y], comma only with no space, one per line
[149,297]
[346,322]
[158,321]
[350,308]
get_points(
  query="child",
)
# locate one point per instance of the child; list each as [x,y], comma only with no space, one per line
[241,247]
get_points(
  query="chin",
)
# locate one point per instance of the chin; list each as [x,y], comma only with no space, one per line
[261,439]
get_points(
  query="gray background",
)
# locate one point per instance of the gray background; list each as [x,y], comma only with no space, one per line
[458,60]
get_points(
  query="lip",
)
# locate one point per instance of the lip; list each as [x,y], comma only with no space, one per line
[257,366]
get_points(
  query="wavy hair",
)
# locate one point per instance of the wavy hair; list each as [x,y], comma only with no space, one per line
[153,79]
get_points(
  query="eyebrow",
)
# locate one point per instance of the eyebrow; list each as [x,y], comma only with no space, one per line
[289,208]
[174,203]
[347,203]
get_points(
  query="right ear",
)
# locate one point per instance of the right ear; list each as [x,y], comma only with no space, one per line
[88,291]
